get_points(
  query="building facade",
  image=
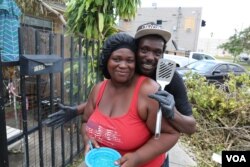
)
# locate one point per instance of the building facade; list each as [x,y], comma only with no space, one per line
[183,23]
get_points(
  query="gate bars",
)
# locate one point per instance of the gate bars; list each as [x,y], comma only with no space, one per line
[44,146]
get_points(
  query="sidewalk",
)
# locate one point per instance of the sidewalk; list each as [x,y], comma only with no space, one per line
[177,158]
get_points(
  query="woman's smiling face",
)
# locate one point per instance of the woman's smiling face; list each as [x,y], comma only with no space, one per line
[121,65]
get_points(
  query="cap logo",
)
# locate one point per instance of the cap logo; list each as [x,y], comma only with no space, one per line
[152,29]
[150,26]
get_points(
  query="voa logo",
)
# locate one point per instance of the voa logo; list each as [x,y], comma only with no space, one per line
[236,158]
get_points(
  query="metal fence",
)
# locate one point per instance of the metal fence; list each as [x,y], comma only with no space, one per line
[26,100]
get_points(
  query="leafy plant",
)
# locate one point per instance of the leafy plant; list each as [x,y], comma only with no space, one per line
[238,43]
[95,19]
[222,113]
[234,46]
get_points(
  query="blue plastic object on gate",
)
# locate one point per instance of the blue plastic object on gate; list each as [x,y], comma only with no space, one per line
[9,24]
[102,157]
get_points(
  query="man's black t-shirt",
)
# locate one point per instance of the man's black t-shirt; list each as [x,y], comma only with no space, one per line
[177,88]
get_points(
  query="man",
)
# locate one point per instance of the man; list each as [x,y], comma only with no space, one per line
[151,42]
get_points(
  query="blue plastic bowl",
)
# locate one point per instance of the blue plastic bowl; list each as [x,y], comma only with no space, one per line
[102,157]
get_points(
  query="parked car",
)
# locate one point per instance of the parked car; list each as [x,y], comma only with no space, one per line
[244,57]
[201,56]
[213,70]
[180,61]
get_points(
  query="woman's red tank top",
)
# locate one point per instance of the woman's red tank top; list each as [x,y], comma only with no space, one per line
[124,134]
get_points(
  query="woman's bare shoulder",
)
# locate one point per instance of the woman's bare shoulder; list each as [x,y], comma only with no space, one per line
[97,86]
[94,92]
[149,86]
[91,101]
[148,107]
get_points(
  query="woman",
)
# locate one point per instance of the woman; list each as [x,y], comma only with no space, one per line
[120,115]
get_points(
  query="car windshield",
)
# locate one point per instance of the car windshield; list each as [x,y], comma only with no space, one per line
[201,66]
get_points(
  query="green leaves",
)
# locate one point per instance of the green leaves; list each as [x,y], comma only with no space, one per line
[100,22]
[238,43]
[127,8]
[95,19]
[80,12]
[211,100]
[222,117]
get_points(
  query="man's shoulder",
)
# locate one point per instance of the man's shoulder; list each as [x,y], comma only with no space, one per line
[176,81]
[177,77]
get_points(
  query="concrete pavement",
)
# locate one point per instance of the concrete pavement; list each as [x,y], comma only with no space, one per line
[178,157]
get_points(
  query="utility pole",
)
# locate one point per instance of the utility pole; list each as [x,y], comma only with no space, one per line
[179,15]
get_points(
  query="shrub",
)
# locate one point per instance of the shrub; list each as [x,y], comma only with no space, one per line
[222,112]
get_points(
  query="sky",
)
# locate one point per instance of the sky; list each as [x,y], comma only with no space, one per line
[222,16]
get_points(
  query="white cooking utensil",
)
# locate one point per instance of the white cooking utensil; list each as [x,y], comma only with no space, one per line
[164,74]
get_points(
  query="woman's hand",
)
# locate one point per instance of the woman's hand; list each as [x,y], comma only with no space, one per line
[128,160]
[88,143]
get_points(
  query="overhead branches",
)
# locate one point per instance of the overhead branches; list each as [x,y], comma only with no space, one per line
[60,16]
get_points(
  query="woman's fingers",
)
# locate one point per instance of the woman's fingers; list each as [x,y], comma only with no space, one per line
[95,144]
[121,161]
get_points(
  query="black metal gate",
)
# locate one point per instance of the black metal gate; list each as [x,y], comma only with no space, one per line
[26,100]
